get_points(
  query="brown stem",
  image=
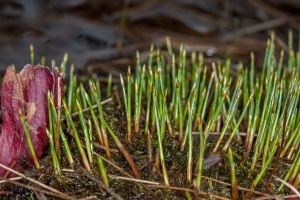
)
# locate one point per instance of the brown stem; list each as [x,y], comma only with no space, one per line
[249,193]
[234,191]
[136,127]
[149,146]
[105,140]
[129,159]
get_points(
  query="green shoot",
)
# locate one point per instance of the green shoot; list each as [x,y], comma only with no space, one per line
[35,160]
[77,139]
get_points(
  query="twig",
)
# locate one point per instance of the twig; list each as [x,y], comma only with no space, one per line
[98,181]
[256,28]
[240,188]
[133,179]
[103,147]
[94,106]
[6,192]
[90,198]
[37,182]
[288,185]
[218,133]
[187,190]
[12,179]
[278,196]
[64,196]
[274,12]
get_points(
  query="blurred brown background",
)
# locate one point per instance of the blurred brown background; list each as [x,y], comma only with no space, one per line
[103,35]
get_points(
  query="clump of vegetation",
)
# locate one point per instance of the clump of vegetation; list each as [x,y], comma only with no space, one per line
[179,128]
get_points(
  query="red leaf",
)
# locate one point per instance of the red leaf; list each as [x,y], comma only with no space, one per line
[10,138]
[27,91]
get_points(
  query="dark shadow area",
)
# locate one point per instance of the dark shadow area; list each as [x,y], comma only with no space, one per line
[108,33]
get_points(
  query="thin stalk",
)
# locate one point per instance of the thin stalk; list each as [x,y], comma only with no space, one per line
[245,84]
[190,148]
[178,102]
[202,93]
[279,70]
[43,61]
[191,95]
[291,60]
[150,56]
[253,126]
[174,79]
[55,160]
[70,88]
[77,139]
[262,77]
[64,64]
[102,170]
[159,89]
[82,97]
[232,110]
[169,46]
[90,134]
[188,130]
[109,84]
[62,135]
[291,143]
[234,189]
[264,120]
[273,127]
[51,120]
[149,146]
[293,170]
[165,112]
[214,116]
[86,133]
[31,147]
[95,120]
[261,172]
[200,159]
[31,54]
[138,63]
[139,82]
[296,183]
[183,74]
[252,72]
[205,93]
[53,65]
[98,89]
[159,124]
[237,124]
[100,110]
[129,137]
[149,97]
[122,149]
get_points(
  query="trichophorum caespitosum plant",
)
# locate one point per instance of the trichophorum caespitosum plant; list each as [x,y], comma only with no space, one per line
[174,123]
